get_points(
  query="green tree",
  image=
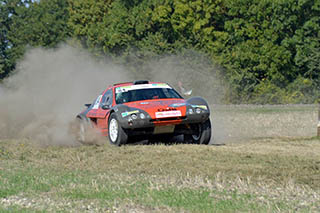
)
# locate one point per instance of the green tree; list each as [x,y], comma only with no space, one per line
[307,41]
[87,21]
[8,10]
[30,23]
[257,45]
[265,47]
[118,27]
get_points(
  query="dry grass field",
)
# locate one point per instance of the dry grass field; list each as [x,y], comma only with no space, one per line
[242,122]
[263,159]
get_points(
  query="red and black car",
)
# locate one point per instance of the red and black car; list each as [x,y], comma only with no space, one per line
[144,110]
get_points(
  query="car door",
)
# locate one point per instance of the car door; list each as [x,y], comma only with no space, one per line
[104,110]
[92,113]
[99,115]
[102,100]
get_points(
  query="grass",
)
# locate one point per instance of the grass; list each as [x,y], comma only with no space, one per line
[266,108]
[261,175]
[269,163]
[240,123]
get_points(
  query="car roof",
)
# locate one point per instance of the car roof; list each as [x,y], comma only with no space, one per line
[135,83]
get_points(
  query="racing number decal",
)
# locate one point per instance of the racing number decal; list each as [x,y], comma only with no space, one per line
[166,114]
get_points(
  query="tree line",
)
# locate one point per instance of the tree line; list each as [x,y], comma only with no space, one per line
[268,50]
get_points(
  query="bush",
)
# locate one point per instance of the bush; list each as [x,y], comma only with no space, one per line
[302,90]
[268,93]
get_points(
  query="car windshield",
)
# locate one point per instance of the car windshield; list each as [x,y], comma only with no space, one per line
[145,94]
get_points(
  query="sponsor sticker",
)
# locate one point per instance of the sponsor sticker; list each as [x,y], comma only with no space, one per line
[125,114]
[178,104]
[140,86]
[200,106]
[167,114]
[97,102]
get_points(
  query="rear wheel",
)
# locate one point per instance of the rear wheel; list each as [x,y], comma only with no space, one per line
[201,135]
[83,127]
[117,136]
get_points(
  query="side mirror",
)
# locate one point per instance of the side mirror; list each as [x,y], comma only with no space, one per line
[105,106]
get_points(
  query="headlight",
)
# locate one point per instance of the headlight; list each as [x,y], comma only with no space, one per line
[198,110]
[190,111]
[134,116]
[142,116]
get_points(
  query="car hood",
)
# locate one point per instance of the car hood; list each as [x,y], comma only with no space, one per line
[161,108]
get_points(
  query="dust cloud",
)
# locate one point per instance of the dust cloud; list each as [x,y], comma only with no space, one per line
[50,87]
[194,70]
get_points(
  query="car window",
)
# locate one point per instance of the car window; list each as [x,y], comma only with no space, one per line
[145,94]
[107,98]
[97,102]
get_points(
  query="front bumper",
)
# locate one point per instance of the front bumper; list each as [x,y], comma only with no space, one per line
[147,126]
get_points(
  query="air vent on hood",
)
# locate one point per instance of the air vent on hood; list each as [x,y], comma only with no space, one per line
[141,82]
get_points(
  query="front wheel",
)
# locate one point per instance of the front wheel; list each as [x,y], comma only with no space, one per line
[202,133]
[117,136]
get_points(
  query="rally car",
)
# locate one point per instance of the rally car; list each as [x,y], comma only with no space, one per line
[143,110]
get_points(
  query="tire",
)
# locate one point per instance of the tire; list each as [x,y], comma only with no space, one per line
[117,136]
[202,135]
[82,130]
